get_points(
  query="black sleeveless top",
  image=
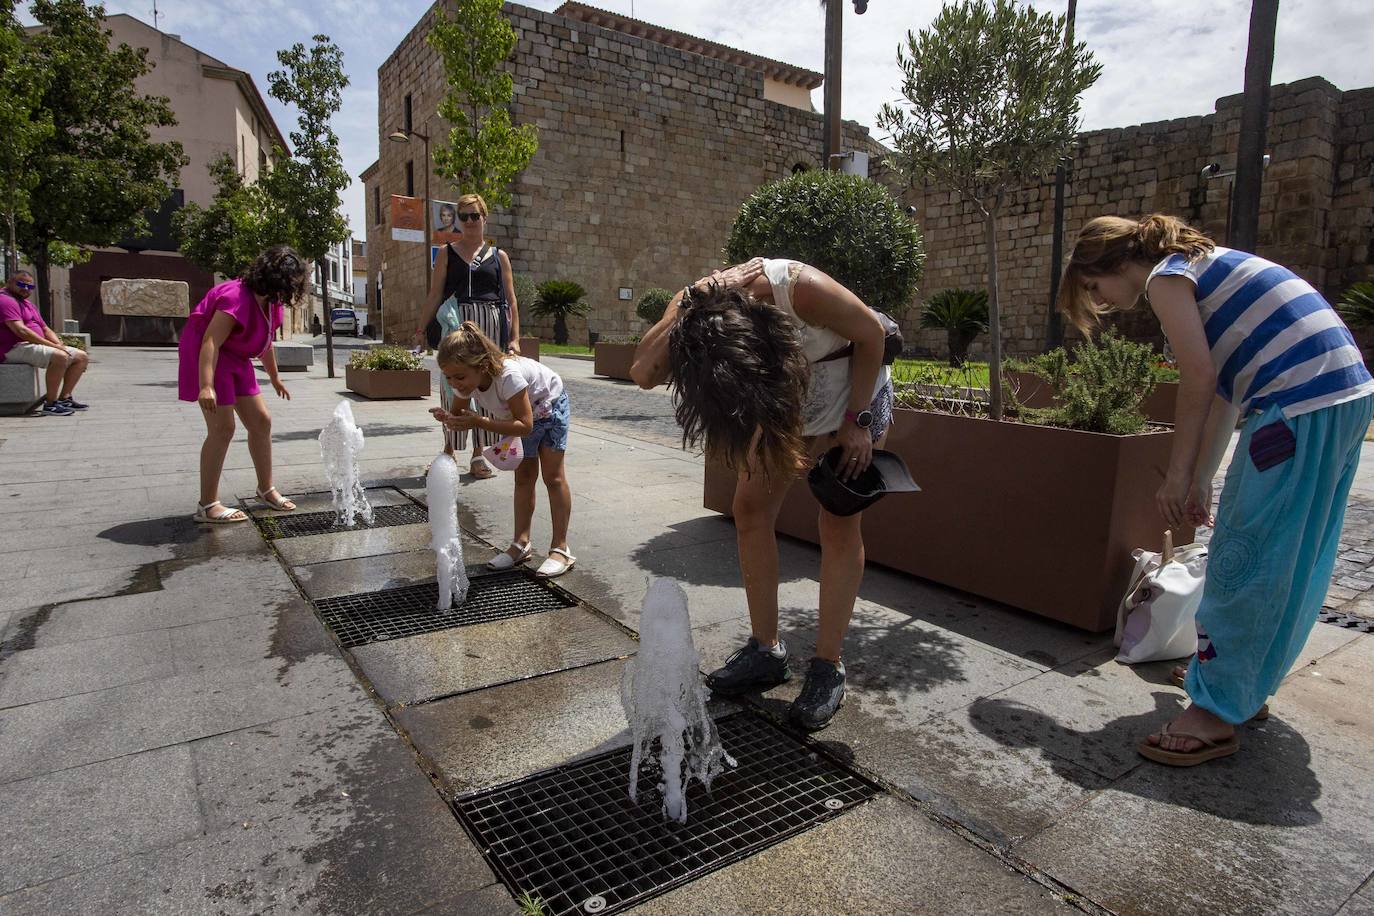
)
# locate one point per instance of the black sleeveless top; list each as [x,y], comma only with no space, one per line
[479,281]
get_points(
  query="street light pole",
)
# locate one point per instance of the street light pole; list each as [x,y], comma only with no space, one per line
[834,23]
[1243,211]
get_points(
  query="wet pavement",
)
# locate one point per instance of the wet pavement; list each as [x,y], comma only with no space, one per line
[180,732]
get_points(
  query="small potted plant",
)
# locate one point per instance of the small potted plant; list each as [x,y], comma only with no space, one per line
[387,372]
[525,294]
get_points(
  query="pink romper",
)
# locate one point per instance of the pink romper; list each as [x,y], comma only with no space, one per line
[234,375]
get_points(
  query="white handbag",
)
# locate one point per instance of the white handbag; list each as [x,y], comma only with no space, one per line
[1156,618]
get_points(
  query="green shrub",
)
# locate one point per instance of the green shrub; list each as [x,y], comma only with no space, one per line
[962,314]
[1103,391]
[653,304]
[73,340]
[387,357]
[846,225]
[525,291]
[1357,306]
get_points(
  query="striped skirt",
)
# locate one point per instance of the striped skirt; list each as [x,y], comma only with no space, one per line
[487,316]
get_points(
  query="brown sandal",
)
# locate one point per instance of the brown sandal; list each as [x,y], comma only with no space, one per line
[480,469]
[1210,750]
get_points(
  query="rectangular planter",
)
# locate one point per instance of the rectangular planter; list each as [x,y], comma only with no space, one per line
[1034,391]
[529,346]
[383,384]
[614,360]
[1038,518]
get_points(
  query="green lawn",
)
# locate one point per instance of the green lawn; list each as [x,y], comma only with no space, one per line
[573,349]
[939,372]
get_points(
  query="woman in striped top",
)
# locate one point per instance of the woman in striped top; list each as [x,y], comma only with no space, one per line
[1252,340]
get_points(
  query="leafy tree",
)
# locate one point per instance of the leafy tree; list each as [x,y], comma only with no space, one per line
[991,103]
[241,221]
[308,183]
[962,314]
[559,299]
[485,151]
[845,225]
[98,170]
[23,125]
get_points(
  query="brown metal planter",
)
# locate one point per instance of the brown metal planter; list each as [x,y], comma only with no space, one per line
[529,346]
[1033,391]
[382,384]
[1042,519]
[613,360]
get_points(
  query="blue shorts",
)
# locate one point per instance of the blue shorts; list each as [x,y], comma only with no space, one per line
[550,430]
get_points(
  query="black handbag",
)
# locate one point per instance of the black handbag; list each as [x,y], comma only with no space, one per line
[892,342]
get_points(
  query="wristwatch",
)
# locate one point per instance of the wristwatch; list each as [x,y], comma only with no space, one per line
[863,419]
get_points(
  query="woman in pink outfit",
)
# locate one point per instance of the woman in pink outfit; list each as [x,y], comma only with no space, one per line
[233,324]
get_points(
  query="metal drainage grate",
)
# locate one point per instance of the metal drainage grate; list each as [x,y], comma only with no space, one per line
[572,838]
[1349,621]
[406,611]
[274,527]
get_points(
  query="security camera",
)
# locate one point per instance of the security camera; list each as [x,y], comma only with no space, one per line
[910,211]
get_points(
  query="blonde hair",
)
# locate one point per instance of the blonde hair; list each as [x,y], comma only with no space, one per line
[469,346]
[1107,243]
[473,199]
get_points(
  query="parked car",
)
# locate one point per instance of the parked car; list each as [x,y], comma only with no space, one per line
[345,321]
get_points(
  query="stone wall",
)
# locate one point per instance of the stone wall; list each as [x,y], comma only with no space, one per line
[645,154]
[1317,205]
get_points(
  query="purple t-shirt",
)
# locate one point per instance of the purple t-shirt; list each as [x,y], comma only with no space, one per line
[14,309]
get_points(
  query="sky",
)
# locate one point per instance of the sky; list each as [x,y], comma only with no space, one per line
[1161,58]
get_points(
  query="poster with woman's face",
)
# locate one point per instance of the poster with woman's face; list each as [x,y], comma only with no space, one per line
[444,219]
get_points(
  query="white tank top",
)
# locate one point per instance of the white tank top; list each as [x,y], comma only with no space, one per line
[827,395]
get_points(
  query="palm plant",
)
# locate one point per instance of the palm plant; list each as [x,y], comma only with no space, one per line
[962,314]
[559,299]
[1357,306]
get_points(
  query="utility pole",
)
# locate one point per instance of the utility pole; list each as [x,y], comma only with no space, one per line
[834,24]
[1243,215]
[1054,329]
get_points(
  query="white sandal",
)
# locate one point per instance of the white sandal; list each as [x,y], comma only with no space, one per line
[228,517]
[281,503]
[552,567]
[506,561]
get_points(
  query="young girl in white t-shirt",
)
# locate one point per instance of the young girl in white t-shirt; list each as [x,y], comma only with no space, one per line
[525,398]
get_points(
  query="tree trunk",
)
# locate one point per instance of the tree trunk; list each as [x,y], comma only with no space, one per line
[43,268]
[328,320]
[959,342]
[11,247]
[994,315]
[560,329]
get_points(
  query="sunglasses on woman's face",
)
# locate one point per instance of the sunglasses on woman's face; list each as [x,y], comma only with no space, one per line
[469,217]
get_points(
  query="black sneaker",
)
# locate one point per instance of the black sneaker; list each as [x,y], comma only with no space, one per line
[73,403]
[751,668]
[821,695]
[55,409]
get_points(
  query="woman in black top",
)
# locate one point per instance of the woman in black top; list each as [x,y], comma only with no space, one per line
[472,282]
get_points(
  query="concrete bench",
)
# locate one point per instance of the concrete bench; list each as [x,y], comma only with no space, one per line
[21,388]
[293,357]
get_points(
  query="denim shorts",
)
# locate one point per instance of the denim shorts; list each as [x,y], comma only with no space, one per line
[550,430]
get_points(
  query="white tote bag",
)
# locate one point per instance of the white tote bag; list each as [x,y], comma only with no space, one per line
[1155,620]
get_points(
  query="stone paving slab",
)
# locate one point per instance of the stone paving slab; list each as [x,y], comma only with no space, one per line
[88,727]
[84,667]
[489,737]
[883,857]
[416,668]
[84,817]
[368,574]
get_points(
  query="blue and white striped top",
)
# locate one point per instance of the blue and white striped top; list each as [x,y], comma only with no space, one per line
[1273,338]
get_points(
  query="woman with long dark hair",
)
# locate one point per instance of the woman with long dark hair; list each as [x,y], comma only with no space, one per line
[230,327]
[750,353]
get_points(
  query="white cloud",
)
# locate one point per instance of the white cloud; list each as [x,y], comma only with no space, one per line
[1162,58]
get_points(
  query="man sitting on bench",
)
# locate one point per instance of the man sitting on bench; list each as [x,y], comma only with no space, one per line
[26,338]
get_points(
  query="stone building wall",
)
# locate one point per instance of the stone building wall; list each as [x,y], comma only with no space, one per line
[645,154]
[1316,214]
